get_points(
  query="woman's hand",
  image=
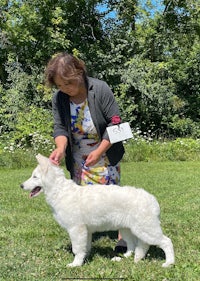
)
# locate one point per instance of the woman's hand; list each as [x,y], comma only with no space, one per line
[56,156]
[95,155]
[92,158]
[59,153]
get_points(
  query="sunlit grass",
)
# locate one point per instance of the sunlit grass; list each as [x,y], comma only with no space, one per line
[34,247]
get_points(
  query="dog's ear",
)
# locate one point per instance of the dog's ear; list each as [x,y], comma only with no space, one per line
[42,160]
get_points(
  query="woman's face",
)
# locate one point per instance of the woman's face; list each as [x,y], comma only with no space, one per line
[72,86]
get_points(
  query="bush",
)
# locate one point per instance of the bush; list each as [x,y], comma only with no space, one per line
[144,148]
[24,108]
[182,127]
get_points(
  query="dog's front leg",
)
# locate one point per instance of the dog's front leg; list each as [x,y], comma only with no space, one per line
[79,239]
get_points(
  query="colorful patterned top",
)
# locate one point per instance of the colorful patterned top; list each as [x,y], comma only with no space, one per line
[85,140]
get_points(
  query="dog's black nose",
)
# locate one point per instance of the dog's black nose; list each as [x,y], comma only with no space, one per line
[21,185]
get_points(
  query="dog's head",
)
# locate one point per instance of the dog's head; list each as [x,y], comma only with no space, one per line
[35,183]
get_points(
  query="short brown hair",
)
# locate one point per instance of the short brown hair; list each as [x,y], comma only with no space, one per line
[64,65]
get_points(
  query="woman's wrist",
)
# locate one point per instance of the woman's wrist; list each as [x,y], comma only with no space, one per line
[103,147]
[61,143]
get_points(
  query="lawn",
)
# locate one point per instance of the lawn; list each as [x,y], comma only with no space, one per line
[34,247]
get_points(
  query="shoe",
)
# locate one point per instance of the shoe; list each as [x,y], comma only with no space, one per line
[121,247]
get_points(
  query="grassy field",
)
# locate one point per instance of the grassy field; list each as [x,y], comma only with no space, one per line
[34,247]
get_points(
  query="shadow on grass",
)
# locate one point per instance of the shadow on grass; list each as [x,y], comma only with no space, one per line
[104,251]
[107,252]
[154,253]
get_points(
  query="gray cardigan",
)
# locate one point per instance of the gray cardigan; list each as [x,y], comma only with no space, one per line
[102,107]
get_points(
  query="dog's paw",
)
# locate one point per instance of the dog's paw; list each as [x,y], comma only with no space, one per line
[128,254]
[73,264]
[116,259]
[167,264]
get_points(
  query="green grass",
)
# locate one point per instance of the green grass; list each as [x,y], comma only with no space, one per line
[34,247]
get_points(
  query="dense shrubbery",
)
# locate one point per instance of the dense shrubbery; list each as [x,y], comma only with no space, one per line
[145,148]
[150,58]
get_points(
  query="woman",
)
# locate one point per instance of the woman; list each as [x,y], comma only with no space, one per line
[83,107]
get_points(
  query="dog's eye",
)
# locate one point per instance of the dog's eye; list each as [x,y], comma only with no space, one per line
[34,177]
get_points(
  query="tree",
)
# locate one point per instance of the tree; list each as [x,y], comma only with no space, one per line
[34,30]
[150,59]
[163,81]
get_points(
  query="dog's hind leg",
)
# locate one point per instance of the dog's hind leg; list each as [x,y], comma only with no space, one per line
[89,242]
[130,239]
[79,238]
[153,235]
[131,242]
[140,250]
[167,246]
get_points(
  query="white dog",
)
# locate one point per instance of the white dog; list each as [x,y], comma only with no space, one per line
[83,210]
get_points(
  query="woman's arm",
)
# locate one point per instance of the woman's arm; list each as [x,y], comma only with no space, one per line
[59,153]
[60,133]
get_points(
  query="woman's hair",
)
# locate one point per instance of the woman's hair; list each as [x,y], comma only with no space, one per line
[65,66]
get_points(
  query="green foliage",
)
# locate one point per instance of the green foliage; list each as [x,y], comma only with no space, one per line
[144,148]
[150,58]
[33,120]
[188,80]
[127,106]
[33,30]
[152,93]
[141,148]
[25,119]
[184,126]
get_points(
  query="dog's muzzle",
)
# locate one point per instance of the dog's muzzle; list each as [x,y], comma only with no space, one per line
[35,191]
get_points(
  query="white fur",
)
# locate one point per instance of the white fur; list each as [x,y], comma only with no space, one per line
[83,210]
